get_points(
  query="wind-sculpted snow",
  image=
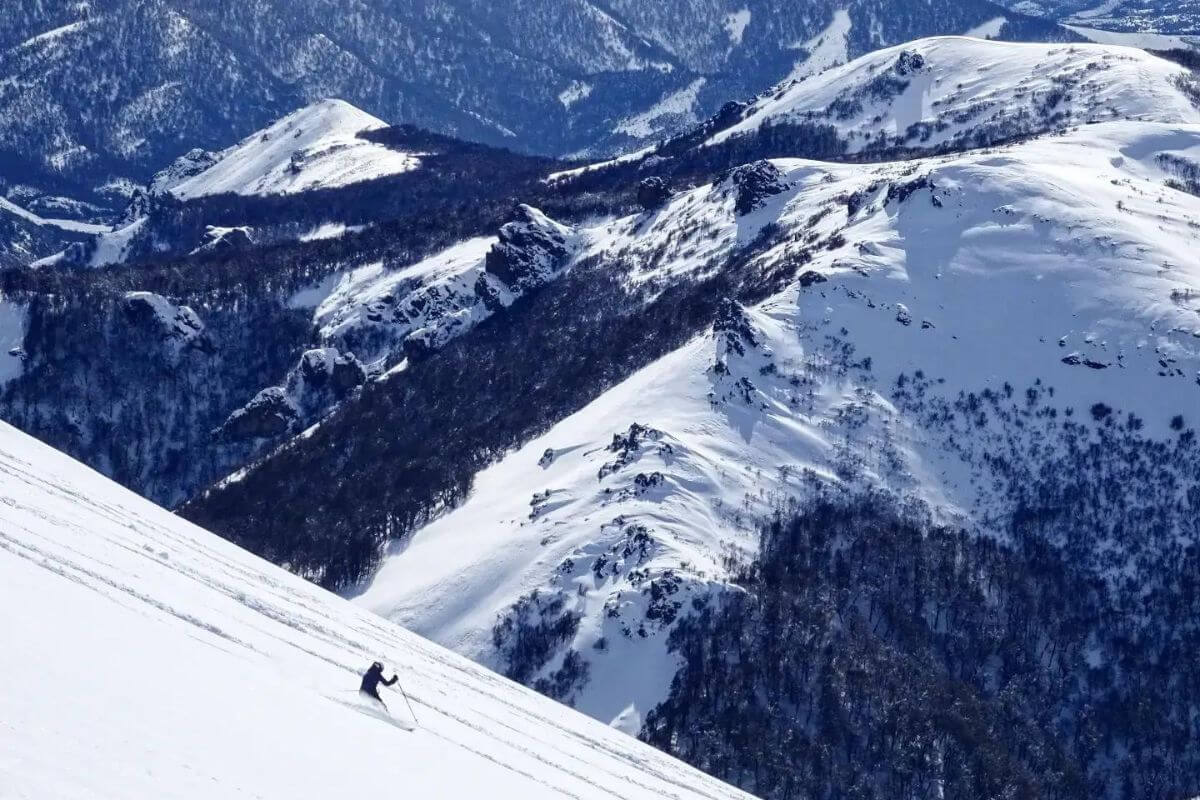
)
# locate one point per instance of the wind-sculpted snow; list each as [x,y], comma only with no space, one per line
[155,659]
[1049,276]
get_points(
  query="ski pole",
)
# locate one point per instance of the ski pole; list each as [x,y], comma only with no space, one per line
[403,694]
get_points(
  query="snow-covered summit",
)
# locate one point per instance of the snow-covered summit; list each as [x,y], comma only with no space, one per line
[155,659]
[963,91]
[316,147]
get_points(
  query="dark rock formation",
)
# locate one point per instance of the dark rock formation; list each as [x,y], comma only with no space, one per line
[531,248]
[754,183]
[909,62]
[653,193]
[732,322]
[268,415]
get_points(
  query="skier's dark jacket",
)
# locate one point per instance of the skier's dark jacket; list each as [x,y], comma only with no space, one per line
[371,681]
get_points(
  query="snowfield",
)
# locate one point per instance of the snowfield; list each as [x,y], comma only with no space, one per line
[149,658]
[1063,266]
[316,147]
[945,90]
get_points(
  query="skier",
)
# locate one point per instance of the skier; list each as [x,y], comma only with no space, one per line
[371,680]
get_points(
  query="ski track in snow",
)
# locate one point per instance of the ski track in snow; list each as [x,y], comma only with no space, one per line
[249,655]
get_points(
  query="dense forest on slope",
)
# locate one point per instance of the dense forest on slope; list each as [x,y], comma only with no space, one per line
[440,421]
[873,653]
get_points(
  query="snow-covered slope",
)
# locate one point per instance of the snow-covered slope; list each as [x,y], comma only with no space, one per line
[438,292]
[26,236]
[963,91]
[149,658]
[382,318]
[73,226]
[316,147]
[1060,271]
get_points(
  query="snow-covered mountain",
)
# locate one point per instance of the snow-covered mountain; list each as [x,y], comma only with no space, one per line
[1006,337]
[299,179]
[1062,265]
[575,436]
[92,97]
[156,659]
[316,147]
[962,92]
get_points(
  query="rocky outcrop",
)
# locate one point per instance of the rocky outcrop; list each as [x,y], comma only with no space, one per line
[733,327]
[327,369]
[653,193]
[321,378]
[531,249]
[811,278]
[752,184]
[179,325]
[188,165]
[908,63]
[730,114]
[268,415]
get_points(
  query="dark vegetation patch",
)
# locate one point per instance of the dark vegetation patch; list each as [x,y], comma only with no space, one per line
[875,653]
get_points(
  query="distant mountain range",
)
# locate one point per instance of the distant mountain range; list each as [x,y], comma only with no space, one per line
[95,98]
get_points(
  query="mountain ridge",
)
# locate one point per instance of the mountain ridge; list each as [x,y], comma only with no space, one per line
[222,71]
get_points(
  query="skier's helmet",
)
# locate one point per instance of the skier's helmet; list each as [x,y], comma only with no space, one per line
[377,665]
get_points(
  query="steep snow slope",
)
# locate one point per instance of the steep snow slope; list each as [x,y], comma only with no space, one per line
[1059,271]
[313,148]
[963,91]
[156,660]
